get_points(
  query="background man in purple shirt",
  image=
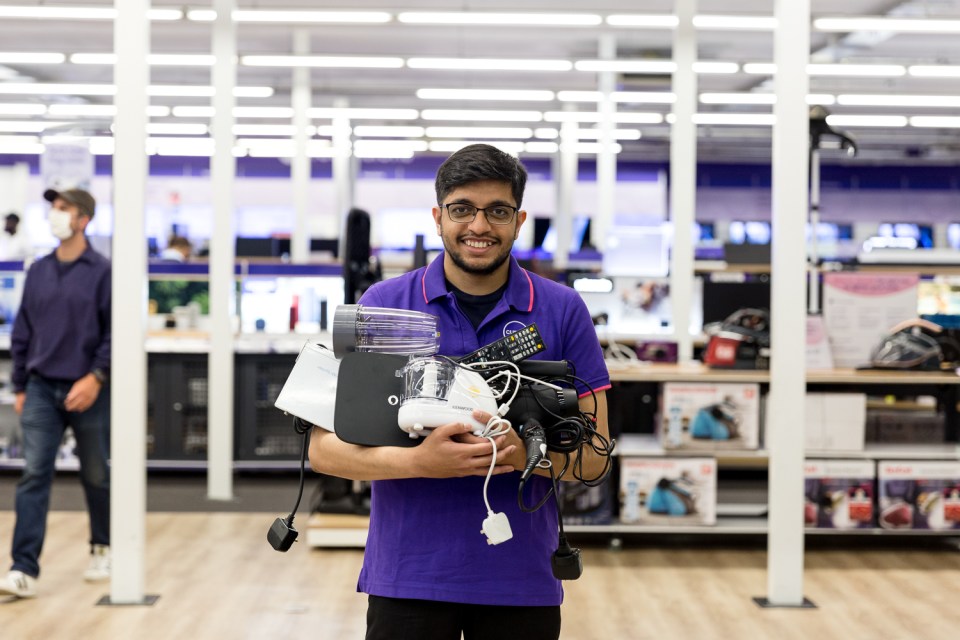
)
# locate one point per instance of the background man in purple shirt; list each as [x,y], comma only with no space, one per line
[61,361]
[428,571]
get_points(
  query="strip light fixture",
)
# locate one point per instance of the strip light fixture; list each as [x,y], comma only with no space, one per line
[154,59]
[22,109]
[866,121]
[356,113]
[744,98]
[80,13]
[629,97]
[71,89]
[623,117]
[943,122]
[835,69]
[934,70]
[489,64]
[481,115]
[894,100]
[891,25]
[294,16]
[500,19]
[14,57]
[523,95]
[503,133]
[323,62]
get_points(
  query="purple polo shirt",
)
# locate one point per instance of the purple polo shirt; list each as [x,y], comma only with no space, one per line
[62,330]
[424,540]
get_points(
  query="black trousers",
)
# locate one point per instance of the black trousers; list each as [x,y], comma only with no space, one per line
[401,619]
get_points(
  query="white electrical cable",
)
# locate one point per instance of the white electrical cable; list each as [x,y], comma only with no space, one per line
[496,426]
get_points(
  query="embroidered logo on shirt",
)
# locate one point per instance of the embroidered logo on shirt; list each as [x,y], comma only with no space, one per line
[512,327]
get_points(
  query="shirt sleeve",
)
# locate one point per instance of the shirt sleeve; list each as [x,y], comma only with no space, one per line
[101,357]
[20,340]
[582,348]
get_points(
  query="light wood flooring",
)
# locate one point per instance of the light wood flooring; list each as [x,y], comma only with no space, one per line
[218,578]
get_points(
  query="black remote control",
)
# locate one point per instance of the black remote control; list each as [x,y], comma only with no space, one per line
[515,347]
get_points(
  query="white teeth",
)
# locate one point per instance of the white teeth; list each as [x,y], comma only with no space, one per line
[476,244]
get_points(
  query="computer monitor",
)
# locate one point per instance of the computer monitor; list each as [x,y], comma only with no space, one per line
[579,238]
[722,298]
[749,232]
[703,231]
[327,245]
[397,229]
[254,247]
[832,231]
[922,233]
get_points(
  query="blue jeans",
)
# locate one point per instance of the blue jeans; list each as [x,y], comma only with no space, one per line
[43,422]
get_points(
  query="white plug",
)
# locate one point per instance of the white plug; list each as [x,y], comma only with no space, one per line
[497,528]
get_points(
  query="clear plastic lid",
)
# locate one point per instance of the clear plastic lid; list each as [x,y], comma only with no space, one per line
[383,330]
[429,379]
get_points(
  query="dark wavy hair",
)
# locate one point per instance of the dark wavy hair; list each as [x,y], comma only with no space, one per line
[480,162]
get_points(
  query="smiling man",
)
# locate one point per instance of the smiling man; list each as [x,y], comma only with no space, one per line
[428,570]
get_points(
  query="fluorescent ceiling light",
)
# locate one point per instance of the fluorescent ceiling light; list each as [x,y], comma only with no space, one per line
[50,89]
[629,97]
[479,132]
[618,134]
[541,147]
[101,110]
[715,68]
[299,17]
[329,62]
[623,117]
[546,133]
[837,69]
[22,109]
[626,66]
[736,23]
[373,131]
[472,18]
[481,115]
[176,129]
[81,13]
[13,57]
[275,130]
[262,112]
[879,70]
[943,122]
[760,68]
[529,95]
[356,113]
[867,121]
[935,71]
[20,145]
[892,25]
[283,148]
[27,126]
[894,100]
[156,59]
[202,91]
[450,146]
[388,148]
[489,64]
[741,119]
[760,98]
[640,20]
[294,16]
[180,146]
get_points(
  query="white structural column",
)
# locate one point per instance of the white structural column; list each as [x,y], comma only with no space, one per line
[785,413]
[342,162]
[606,157]
[300,168]
[683,176]
[128,386]
[566,182]
[222,254]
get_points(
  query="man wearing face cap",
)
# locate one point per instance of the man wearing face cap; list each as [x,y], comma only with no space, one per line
[61,361]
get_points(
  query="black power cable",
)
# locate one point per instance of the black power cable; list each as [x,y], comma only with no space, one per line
[281,534]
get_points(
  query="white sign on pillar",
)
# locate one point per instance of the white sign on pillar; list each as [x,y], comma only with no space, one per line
[67,165]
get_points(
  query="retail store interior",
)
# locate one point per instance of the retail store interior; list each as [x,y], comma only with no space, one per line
[692,195]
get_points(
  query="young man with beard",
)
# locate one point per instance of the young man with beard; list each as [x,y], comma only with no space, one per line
[428,571]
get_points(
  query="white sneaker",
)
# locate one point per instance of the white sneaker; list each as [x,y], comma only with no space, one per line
[99,568]
[18,584]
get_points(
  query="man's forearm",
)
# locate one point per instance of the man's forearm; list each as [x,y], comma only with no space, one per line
[331,455]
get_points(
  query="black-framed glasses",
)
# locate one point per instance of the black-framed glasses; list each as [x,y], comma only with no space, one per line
[495,214]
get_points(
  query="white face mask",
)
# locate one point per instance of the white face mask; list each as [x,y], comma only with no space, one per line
[60,224]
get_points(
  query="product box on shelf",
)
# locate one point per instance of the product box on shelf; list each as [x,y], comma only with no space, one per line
[905,427]
[580,504]
[838,494]
[835,421]
[919,495]
[699,416]
[668,491]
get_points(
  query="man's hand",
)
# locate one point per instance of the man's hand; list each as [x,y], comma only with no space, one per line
[517,457]
[82,394]
[18,399]
[452,451]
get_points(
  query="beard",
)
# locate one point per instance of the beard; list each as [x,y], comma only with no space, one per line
[478,270]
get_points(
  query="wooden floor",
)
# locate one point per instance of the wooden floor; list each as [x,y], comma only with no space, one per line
[218,578]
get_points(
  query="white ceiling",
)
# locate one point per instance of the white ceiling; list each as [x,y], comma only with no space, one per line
[396,87]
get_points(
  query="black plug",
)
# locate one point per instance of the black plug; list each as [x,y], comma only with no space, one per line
[281,535]
[566,562]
